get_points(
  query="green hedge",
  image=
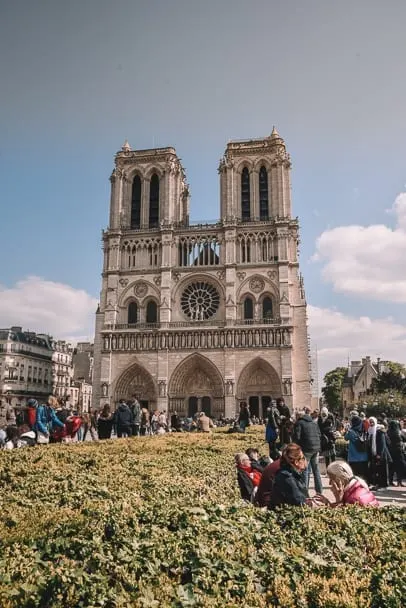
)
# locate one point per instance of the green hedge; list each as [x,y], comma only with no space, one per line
[158,522]
[341,447]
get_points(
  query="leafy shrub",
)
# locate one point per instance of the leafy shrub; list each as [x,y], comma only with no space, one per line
[155,522]
[341,447]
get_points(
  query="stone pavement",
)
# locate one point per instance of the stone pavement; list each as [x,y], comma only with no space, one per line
[392,496]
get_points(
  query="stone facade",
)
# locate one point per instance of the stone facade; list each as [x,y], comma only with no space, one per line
[25,365]
[358,381]
[202,316]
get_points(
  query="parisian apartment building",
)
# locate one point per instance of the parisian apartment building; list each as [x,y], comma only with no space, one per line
[35,365]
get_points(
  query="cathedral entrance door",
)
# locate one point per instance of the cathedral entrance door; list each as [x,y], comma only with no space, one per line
[253,403]
[144,404]
[192,406]
[266,402]
[206,406]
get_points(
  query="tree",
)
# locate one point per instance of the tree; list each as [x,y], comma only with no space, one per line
[392,379]
[333,383]
[391,403]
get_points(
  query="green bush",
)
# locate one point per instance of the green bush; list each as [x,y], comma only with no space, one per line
[341,448]
[158,522]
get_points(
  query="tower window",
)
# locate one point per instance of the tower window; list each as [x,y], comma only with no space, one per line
[154,201]
[136,203]
[245,195]
[267,308]
[263,194]
[132,313]
[248,309]
[152,312]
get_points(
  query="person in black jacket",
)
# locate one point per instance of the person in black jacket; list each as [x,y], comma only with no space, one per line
[283,409]
[123,420]
[105,423]
[257,462]
[378,454]
[396,449]
[290,485]
[306,434]
[244,416]
[327,428]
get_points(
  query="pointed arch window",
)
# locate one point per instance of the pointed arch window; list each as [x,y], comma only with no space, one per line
[263,194]
[154,201]
[136,203]
[152,312]
[245,195]
[132,318]
[267,308]
[248,309]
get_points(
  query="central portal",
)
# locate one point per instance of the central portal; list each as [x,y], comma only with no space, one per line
[196,386]
[199,404]
[258,405]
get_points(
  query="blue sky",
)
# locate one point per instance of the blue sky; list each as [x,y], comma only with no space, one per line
[79,77]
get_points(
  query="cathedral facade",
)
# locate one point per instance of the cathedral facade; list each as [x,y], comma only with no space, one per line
[198,317]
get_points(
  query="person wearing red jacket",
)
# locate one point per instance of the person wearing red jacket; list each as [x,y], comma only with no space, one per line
[248,478]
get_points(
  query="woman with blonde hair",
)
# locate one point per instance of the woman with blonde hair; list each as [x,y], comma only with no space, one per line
[347,489]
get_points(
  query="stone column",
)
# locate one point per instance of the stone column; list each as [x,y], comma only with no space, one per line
[112,221]
[287,190]
[145,202]
[274,191]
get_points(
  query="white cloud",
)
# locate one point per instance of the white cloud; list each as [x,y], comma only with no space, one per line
[47,307]
[338,336]
[367,261]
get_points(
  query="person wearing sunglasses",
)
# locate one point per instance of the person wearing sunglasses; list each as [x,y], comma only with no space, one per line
[290,483]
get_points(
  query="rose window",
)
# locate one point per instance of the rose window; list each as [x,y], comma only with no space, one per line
[200,301]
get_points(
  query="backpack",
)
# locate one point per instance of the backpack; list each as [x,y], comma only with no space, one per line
[361,443]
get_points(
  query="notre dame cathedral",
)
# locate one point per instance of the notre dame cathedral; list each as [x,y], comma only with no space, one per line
[201,316]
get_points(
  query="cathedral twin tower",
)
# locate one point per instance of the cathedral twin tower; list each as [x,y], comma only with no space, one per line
[200,317]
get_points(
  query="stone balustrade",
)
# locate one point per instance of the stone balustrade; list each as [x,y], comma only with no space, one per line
[202,338]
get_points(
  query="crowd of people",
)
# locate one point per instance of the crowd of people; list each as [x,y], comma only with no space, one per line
[56,422]
[376,457]
[376,447]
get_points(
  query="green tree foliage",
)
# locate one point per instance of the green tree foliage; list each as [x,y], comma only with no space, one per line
[391,403]
[394,379]
[333,383]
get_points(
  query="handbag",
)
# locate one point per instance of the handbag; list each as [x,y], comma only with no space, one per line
[42,438]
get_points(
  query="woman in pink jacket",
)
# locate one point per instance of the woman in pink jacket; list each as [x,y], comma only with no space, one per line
[347,489]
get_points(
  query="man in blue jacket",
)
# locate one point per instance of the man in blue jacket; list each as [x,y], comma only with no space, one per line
[46,419]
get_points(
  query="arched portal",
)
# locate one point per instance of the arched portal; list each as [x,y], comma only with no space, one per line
[257,384]
[196,384]
[136,381]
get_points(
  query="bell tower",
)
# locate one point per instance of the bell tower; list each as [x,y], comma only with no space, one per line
[255,179]
[148,189]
